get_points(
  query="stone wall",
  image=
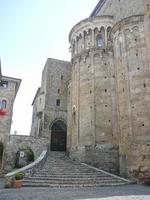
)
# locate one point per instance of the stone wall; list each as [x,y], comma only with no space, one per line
[55,77]
[133,87]
[93,109]
[15,142]
[121,9]
[103,156]
[70,113]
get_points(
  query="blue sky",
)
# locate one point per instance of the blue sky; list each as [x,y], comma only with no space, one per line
[30,32]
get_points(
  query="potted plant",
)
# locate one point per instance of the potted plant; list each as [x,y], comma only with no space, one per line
[18,180]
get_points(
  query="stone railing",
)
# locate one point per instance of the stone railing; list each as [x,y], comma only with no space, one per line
[28,170]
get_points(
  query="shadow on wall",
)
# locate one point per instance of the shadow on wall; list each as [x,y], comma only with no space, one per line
[1,153]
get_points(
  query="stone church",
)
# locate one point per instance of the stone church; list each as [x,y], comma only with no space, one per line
[97,107]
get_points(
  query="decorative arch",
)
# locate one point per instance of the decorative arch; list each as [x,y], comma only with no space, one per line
[58,135]
[108,35]
[87,38]
[100,37]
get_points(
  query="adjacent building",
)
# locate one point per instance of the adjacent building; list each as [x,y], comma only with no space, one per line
[8,90]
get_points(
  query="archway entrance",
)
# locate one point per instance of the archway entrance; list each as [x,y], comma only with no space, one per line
[1,154]
[58,136]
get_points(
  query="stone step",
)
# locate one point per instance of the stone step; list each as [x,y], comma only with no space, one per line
[60,171]
[67,172]
[71,185]
[71,176]
[71,179]
[2,173]
[76,181]
[65,167]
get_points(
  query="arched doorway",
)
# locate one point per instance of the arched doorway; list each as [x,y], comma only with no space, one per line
[58,136]
[1,154]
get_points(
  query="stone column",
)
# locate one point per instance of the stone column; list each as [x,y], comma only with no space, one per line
[83,41]
[76,45]
[93,100]
[93,38]
[106,37]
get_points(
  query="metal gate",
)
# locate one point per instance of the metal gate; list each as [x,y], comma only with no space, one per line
[58,136]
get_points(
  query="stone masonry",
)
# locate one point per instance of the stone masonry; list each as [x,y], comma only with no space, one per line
[96,107]
[109,98]
[8,89]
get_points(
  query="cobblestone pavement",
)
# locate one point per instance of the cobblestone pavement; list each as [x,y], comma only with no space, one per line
[128,192]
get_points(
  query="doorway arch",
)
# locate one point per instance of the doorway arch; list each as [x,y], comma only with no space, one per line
[58,136]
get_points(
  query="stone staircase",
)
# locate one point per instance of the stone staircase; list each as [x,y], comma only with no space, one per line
[2,173]
[59,172]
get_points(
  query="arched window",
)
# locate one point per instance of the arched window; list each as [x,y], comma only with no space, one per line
[108,35]
[100,37]
[3,104]
[100,40]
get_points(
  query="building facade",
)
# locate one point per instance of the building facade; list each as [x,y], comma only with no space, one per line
[8,90]
[50,104]
[96,107]
[108,123]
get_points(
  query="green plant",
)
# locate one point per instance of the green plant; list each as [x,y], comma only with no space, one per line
[17,165]
[19,176]
[29,155]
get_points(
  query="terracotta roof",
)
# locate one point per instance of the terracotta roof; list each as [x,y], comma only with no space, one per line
[97,8]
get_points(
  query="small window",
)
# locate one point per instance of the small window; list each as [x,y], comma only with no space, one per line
[58,91]
[4,84]
[62,77]
[57,102]
[3,104]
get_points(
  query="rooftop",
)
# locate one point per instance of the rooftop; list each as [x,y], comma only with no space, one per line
[97,8]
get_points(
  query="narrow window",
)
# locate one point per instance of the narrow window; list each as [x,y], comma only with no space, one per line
[100,41]
[108,35]
[62,77]
[3,104]
[57,102]
[58,91]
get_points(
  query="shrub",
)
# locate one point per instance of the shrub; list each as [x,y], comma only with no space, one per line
[19,176]
[29,155]
[17,165]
